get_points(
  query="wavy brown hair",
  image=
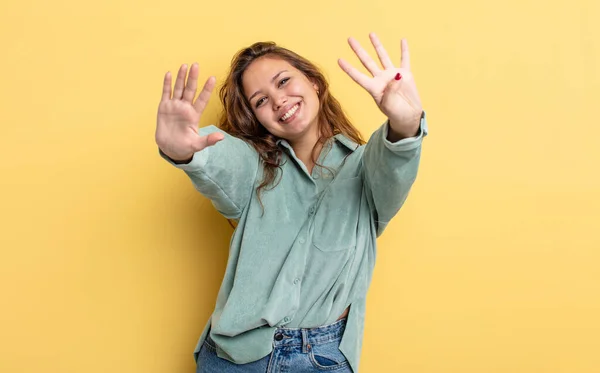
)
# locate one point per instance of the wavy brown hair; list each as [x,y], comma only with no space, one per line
[238,119]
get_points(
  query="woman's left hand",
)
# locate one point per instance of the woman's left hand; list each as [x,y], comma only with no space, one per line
[393,89]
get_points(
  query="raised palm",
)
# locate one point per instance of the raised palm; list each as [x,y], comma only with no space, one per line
[178,115]
[397,99]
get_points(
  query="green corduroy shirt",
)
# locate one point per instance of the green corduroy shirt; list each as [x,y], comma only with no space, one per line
[310,253]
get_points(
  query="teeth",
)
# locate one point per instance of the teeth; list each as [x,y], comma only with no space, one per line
[290,113]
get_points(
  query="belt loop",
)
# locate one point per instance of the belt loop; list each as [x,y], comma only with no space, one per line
[305,345]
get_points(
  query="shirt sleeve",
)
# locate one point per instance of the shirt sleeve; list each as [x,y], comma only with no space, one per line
[389,171]
[225,173]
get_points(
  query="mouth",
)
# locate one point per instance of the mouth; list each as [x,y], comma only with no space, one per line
[291,114]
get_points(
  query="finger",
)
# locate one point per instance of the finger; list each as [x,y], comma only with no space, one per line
[386,62]
[360,78]
[406,87]
[166,94]
[204,95]
[364,57]
[396,83]
[180,82]
[405,58]
[205,141]
[192,84]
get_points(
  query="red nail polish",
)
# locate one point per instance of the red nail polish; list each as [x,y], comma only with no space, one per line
[398,76]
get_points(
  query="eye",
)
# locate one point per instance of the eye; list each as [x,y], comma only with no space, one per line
[283,81]
[260,101]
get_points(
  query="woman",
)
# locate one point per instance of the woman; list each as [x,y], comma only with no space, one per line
[309,197]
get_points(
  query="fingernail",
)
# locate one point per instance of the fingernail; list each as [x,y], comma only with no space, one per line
[398,76]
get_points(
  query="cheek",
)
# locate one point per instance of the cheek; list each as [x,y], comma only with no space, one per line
[313,100]
[299,89]
[265,117]
[262,115]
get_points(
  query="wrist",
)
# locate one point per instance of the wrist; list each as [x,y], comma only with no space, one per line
[177,160]
[181,161]
[398,131]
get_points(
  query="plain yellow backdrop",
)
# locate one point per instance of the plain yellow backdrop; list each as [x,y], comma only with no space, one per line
[111,262]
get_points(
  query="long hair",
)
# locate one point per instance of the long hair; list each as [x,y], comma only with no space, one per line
[238,119]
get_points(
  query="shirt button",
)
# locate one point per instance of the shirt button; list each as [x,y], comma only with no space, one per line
[278,337]
[316,176]
[296,281]
[302,240]
[286,319]
[311,210]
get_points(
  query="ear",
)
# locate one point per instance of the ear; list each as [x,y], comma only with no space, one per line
[316,88]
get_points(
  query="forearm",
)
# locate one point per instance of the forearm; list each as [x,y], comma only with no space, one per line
[225,173]
[390,169]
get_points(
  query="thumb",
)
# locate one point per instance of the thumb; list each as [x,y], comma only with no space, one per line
[206,141]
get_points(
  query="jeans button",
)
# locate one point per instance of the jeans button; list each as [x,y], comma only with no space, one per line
[278,337]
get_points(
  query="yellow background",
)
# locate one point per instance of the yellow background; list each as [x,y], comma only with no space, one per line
[111,262]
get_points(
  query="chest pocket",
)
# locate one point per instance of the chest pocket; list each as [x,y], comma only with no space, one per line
[337,216]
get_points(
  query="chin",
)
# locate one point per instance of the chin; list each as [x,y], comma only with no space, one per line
[296,132]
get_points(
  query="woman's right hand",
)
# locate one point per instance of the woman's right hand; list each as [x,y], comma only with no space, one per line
[178,116]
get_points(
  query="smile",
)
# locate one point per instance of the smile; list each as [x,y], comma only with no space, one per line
[290,114]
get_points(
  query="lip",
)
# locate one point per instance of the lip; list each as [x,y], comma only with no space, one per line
[287,108]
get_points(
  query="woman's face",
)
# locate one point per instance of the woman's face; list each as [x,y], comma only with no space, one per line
[283,99]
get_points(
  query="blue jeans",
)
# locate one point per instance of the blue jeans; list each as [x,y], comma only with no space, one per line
[295,350]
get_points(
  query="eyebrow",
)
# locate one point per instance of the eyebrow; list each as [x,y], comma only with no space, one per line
[272,80]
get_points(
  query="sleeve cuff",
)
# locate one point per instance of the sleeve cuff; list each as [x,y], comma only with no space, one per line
[199,159]
[408,143]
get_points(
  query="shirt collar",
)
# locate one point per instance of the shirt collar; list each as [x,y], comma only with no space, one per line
[346,141]
[351,145]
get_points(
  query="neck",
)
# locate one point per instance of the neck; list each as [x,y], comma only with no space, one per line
[303,147]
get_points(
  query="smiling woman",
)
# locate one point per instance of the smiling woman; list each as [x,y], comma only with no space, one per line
[309,195]
[258,109]
[289,91]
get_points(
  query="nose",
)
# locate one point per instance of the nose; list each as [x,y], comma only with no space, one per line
[279,101]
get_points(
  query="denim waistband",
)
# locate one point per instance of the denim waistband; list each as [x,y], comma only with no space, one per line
[309,336]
